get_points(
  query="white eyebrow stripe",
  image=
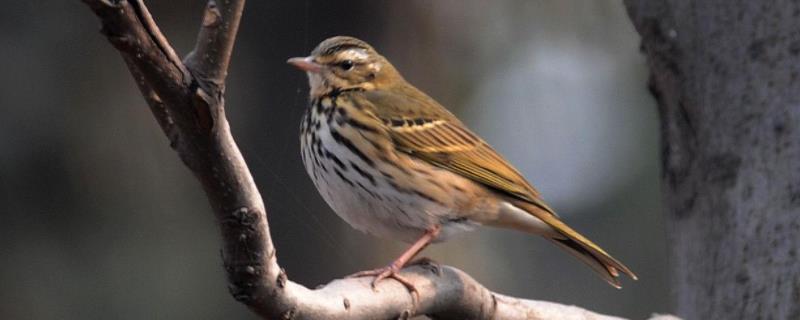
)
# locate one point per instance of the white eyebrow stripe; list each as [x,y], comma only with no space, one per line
[354,54]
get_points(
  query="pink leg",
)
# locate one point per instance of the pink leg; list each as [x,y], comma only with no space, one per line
[391,270]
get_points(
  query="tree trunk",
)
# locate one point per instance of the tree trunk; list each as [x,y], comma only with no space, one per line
[725,74]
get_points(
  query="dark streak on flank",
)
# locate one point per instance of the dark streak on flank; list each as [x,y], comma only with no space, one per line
[307,122]
[340,121]
[427,197]
[457,220]
[436,184]
[329,115]
[403,212]
[321,165]
[318,147]
[341,176]
[335,159]
[373,143]
[399,188]
[371,194]
[385,160]
[318,108]
[330,110]
[360,125]
[342,112]
[314,135]
[387,175]
[363,173]
[316,174]
[422,171]
[413,192]
[349,145]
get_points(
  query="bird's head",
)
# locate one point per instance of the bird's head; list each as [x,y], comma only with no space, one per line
[344,63]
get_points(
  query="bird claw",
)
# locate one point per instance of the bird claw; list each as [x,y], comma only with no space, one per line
[372,273]
[389,271]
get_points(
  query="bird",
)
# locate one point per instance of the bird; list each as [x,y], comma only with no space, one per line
[394,163]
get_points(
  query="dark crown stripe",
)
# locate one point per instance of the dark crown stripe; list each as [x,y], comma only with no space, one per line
[343,47]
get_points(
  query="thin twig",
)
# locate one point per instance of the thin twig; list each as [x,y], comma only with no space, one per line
[158,37]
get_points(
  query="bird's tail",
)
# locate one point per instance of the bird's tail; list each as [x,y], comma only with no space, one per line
[579,246]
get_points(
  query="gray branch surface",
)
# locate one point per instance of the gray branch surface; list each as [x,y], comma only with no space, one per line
[186,98]
[726,75]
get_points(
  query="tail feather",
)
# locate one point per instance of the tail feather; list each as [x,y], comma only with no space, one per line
[608,273]
[579,246]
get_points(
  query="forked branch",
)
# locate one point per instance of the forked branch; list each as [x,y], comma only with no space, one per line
[187,99]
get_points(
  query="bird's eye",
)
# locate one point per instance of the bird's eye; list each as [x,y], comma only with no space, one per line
[346,65]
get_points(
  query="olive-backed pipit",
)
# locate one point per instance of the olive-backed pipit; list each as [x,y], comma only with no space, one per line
[394,163]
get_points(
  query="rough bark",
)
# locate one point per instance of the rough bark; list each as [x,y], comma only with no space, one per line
[725,75]
[187,99]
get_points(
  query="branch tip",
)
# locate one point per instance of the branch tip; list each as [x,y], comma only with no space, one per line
[212,16]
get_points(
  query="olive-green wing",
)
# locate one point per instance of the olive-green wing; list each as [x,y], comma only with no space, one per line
[421,127]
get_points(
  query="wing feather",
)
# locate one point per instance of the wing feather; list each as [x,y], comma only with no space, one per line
[431,133]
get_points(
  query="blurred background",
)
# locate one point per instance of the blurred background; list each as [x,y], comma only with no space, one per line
[100,220]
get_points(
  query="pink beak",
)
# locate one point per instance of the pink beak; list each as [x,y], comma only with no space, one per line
[306,64]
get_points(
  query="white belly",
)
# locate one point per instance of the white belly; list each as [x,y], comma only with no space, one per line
[368,202]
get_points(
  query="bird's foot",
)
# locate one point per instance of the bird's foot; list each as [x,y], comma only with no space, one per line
[390,271]
[428,263]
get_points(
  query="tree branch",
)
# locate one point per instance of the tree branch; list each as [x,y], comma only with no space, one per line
[212,53]
[186,98]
